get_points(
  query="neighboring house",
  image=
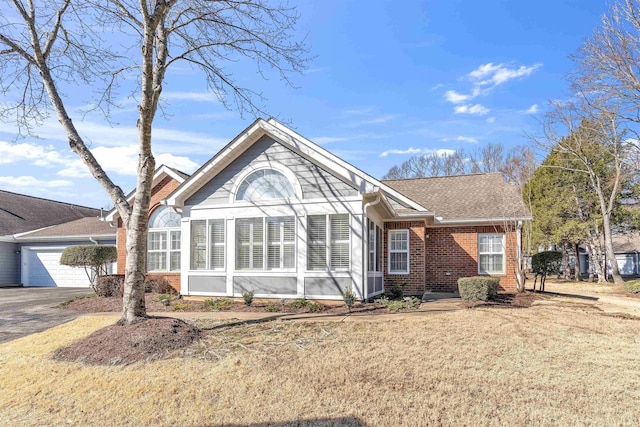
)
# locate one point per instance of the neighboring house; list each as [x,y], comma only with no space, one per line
[33,233]
[164,238]
[626,247]
[274,213]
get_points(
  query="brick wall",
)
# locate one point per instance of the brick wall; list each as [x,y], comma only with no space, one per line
[414,282]
[158,192]
[452,253]
[438,261]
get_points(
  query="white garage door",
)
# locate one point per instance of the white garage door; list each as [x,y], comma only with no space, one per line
[41,267]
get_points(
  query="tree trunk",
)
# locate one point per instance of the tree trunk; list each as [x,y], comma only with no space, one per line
[566,266]
[608,247]
[576,268]
[590,260]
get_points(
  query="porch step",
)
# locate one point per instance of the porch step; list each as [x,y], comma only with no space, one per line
[434,296]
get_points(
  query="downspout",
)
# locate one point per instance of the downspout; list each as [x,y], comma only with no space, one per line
[92,240]
[365,246]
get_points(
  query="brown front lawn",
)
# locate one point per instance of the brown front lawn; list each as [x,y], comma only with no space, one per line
[550,364]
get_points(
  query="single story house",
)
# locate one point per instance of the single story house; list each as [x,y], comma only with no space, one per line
[626,247]
[276,214]
[35,231]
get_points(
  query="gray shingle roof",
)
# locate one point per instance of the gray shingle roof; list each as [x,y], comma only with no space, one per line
[89,226]
[477,196]
[20,213]
[626,242]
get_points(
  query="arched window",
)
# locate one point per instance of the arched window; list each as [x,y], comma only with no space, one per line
[163,246]
[265,184]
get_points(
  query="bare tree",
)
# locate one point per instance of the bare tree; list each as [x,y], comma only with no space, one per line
[607,74]
[47,44]
[593,144]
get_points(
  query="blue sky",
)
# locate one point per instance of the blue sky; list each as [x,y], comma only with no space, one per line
[389,79]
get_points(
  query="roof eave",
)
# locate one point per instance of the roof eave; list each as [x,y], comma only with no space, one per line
[65,238]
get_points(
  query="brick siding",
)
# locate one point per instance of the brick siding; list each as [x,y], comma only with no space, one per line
[158,193]
[448,253]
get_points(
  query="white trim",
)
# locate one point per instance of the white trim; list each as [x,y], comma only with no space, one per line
[398,272]
[316,154]
[480,221]
[64,238]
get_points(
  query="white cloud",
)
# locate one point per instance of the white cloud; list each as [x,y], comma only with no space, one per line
[359,111]
[124,161]
[190,96]
[409,150]
[461,139]
[475,109]
[534,109]
[496,74]
[456,98]
[380,119]
[38,155]
[27,181]
[491,119]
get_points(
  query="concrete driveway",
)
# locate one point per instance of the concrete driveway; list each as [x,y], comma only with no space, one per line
[24,311]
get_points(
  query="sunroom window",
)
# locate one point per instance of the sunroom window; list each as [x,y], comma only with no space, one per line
[328,242]
[265,184]
[266,243]
[207,248]
[163,240]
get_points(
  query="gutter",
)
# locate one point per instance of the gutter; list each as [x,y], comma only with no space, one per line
[481,220]
[365,257]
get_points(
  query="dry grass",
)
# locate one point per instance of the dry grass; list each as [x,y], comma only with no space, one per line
[547,365]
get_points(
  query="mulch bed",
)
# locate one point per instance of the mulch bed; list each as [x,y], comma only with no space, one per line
[114,305]
[151,339]
[519,300]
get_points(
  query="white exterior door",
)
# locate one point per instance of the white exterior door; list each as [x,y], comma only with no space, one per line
[41,267]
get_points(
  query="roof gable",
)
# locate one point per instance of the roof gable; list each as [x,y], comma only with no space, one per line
[20,213]
[294,141]
[159,175]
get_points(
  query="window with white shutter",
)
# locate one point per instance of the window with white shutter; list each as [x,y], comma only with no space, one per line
[280,243]
[216,244]
[199,244]
[398,251]
[328,242]
[317,242]
[340,243]
[249,244]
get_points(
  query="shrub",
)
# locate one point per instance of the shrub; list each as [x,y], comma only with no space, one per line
[384,301]
[110,286]
[272,308]
[315,307]
[182,306]
[632,286]
[158,285]
[546,263]
[478,288]
[247,296]
[169,297]
[395,305]
[299,303]
[93,258]
[396,291]
[349,297]
[216,304]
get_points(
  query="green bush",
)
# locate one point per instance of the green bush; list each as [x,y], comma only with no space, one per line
[247,296]
[93,258]
[182,306]
[158,285]
[216,304]
[397,292]
[314,307]
[478,288]
[546,263]
[397,305]
[168,297]
[299,303]
[110,286]
[272,308]
[632,286]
